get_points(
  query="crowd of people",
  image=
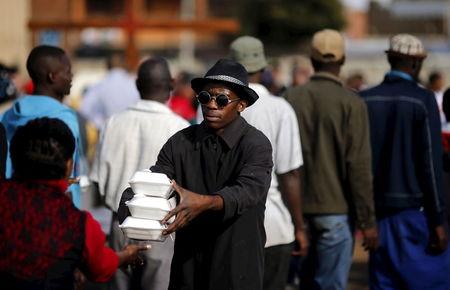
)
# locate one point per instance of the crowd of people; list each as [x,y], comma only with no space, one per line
[270,189]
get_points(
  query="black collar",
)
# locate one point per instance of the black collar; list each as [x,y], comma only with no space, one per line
[231,133]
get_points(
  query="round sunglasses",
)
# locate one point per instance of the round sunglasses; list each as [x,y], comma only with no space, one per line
[221,100]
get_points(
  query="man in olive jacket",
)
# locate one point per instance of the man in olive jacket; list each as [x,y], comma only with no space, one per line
[337,176]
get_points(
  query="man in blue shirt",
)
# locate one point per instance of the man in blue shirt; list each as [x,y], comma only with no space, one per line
[50,70]
[406,152]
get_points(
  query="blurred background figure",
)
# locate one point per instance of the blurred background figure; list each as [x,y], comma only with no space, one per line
[301,72]
[113,94]
[335,143]
[51,71]
[436,85]
[446,148]
[131,141]
[8,90]
[356,82]
[183,101]
[274,73]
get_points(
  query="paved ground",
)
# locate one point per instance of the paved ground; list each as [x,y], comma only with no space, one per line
[359,272]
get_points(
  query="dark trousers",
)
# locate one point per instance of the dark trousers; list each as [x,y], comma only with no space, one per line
[276,266]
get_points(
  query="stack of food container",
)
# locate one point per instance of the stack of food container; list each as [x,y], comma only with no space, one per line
[149,206]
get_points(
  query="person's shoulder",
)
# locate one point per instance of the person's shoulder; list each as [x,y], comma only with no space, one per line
[67,115]
[298,90]
[369,91]
[424,91]
[254,137]
[175,120]
[352,96]
[282,108]
[187,134]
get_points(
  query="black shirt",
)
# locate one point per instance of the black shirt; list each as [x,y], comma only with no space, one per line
[220,250]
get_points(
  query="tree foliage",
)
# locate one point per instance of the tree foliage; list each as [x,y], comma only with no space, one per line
[284,22]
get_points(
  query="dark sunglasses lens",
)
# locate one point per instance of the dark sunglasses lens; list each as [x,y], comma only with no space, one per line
[221,100]
[203,97]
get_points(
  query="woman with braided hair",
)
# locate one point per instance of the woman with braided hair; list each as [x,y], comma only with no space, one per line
[43,236]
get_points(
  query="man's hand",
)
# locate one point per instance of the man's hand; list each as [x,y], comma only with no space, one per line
[438,239]
[191,205]
[79,280]
[370,238]
[129,254]
[302,243]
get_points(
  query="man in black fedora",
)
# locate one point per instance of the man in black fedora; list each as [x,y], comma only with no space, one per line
[221,170]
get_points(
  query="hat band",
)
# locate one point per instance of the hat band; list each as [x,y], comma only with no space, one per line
[226,79]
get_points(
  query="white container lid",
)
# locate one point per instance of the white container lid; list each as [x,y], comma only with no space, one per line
[144,224]
[150,202]
[147,176]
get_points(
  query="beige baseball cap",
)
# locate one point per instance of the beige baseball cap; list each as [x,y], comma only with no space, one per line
[249,51]
[327,45]
[406,45]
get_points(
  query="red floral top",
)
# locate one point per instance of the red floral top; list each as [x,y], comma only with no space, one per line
[44,237]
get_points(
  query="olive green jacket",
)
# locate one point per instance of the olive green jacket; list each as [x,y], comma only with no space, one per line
[334,132]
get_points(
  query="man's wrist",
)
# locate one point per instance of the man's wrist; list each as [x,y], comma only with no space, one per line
[301,228]
[213,202]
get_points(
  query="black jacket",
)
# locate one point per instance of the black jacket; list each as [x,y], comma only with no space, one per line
[220,250]
[405,134]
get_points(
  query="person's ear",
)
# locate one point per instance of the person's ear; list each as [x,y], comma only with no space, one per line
[242,105]
[51,77]
[69,167]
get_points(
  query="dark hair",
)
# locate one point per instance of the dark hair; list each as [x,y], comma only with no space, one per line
[154,76]
[446,104]
[37,62]
[41,148]
[434,76]
[326,66]
[400,61]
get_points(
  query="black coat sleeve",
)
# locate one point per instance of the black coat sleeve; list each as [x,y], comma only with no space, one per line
[123,212]
[252,182]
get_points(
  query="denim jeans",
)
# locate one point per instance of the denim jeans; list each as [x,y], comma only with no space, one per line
[330,255]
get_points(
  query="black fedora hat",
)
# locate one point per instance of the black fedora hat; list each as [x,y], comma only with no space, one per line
[231,74]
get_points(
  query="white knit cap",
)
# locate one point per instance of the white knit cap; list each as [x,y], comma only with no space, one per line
[406,44]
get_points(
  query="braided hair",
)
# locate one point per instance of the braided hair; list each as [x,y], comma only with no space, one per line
[41,148]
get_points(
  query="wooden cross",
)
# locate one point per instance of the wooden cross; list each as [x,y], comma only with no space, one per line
[131,24]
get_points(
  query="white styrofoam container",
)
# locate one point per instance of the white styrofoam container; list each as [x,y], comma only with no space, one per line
[142,229]
[151,184]
[149,207]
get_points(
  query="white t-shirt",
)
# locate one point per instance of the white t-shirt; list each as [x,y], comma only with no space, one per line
[275,117]
[131,141]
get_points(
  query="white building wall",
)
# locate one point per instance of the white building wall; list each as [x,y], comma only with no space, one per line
[14,34]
